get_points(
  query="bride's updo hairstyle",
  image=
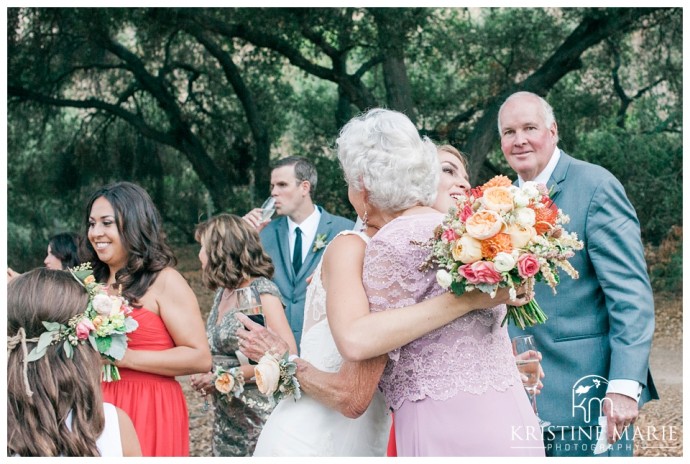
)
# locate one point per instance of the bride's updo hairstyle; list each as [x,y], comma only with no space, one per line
[382,152]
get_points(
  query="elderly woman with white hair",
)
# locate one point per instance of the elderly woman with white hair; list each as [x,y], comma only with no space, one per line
[455,391]
[392,174]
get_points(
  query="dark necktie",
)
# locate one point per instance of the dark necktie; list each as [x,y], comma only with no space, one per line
[297,253]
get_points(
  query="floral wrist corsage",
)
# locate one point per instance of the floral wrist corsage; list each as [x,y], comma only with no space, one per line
[276,377]
[228,382]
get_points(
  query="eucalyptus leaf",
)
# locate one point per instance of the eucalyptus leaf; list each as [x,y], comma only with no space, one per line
[92,340]
[45,340]
[67,346]
[35,354]
[53,326]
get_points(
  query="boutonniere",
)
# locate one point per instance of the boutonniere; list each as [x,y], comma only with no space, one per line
[319,242]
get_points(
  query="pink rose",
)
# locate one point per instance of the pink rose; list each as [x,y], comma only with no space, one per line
[465,213]
[84,327]
[528,265]
[449,235]
[480,272]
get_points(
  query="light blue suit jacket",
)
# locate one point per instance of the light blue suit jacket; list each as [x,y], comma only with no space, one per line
[600,325]
[274,239]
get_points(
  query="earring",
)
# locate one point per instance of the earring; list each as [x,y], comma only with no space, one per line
[365,219]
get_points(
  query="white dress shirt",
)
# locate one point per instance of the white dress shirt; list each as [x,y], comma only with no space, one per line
[308,227]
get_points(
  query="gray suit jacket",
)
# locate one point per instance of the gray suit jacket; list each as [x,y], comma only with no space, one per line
[274,238]
[599,326]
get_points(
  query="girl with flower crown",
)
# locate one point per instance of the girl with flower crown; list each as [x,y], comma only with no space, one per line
[54,403]
[128,251]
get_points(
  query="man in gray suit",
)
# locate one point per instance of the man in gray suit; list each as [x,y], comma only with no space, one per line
[596,341]
[295,241]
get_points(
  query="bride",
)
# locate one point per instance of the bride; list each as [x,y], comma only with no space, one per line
[341,412]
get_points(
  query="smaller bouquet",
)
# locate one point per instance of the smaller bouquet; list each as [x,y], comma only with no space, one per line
[276,377]
[228,382]
[105,324]
[500,235]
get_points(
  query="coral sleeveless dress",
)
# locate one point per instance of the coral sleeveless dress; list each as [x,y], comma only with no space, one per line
[155,403]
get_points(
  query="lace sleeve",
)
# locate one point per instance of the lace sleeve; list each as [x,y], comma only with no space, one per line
[391,278]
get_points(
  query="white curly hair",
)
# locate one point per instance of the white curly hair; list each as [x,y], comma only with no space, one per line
[382,152]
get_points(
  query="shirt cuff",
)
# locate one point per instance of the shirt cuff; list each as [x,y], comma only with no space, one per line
[627,387]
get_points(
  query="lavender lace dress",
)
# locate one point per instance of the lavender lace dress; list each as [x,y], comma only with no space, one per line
[455,391]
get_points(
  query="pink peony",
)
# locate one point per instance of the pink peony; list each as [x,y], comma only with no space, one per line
[480,272]
[528,265]
[84,327]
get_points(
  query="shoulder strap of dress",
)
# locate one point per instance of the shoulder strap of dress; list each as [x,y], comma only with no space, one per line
[360,234]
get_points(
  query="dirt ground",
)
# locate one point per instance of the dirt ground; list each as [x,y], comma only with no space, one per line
[659,427]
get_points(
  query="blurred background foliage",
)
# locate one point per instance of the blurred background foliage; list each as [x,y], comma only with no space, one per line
[194,104]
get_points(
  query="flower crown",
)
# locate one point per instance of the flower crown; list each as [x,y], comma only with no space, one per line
[105,324]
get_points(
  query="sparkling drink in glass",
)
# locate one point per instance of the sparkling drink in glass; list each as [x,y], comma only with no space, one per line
[268,209]
[527,360]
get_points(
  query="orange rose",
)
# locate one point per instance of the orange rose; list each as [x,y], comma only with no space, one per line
[519,234]
[89,279]
[467,249]
[498,199]
[497,181]
[496,244]
[224,383]
[483,224]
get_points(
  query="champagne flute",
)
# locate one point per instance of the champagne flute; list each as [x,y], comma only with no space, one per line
[527,360]
[248,302]
[268,208]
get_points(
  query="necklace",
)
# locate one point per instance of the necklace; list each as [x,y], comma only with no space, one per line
[228,294]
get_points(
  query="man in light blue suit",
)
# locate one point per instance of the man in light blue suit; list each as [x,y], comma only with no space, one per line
[596,341]
[295,241]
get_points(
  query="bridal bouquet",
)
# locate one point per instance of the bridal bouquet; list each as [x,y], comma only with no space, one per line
[500,235]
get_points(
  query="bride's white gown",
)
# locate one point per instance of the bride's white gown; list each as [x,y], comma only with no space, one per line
[308,428]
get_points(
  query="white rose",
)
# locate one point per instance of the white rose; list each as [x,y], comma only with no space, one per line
[444,278]
[525,217]
[267,374]
[520,198]
[530,189]
[102,304]
[504,262]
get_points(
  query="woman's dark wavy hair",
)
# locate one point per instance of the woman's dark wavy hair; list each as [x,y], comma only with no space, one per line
[36,425]
[234,252]
[142,236]
[65,247]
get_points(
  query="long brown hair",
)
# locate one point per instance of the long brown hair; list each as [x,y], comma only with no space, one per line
[37,424]
[141,232]
[234,252]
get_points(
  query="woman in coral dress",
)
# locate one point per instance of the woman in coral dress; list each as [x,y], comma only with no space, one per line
[127,249]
